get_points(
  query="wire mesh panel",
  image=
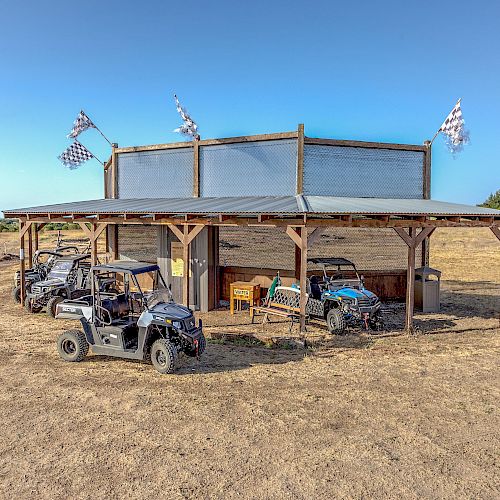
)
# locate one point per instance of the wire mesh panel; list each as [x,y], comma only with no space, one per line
[370,249]
[362,172]
[138,242]
[261,247]
[163,173]
[249,169]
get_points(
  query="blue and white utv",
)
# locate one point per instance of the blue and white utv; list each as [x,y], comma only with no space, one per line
[341,297]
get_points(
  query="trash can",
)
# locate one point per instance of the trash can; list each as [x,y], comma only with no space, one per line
[427,285]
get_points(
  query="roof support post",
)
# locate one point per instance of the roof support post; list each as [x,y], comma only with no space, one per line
[299,237]
[186,236]
[426,191]
[300,159]
[92,234]
[496,231]
[196,168]
[114,171]
[412,240]
[30,245]
[35,236]
[24,226]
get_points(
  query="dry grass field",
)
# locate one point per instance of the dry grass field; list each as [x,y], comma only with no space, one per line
[380,416]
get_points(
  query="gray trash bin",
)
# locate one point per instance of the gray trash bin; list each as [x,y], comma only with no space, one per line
[427,285]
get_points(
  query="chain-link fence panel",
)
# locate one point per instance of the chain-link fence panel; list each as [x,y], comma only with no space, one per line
[266,168]
[163,173]
[138,242]
[261,247]
[362,172]
[370,249]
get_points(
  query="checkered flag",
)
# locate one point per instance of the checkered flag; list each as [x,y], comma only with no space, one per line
[82,123]
[189,127]
[75,155]
[454,129]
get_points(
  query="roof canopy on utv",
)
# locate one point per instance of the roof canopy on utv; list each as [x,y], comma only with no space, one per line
[331,261]
[127,266]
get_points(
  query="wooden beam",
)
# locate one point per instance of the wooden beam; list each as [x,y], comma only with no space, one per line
[178,232]
[99,228]
[191,235]
[23,227]
[36,229]
[404,236]
[410,284]
[114,171]
[425,233]
[300,159]
[496,231]
[85,229]
[196,168]
[303,279]
[292,233]
[185,257]
[116,243]
[30,245]
[363,144]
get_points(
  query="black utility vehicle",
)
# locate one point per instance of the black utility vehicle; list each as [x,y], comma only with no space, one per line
[132,323]
[67,279]
[40,267]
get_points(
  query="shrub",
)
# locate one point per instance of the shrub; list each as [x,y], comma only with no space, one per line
[493,201]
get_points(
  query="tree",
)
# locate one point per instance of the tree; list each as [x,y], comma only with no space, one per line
[493,201]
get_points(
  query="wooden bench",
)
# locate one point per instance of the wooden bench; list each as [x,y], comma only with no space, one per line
[285,303]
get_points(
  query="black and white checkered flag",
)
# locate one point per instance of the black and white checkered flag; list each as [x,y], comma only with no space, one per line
[82,123]
[189,127]
[75,155]
[454,129]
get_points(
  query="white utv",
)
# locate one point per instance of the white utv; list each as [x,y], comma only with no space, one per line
[130,322]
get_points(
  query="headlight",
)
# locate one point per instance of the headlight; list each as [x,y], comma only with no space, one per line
[177,324]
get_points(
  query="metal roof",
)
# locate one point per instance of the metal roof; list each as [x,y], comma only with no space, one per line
[284,205]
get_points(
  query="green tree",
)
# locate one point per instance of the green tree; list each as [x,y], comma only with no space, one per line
[493,201]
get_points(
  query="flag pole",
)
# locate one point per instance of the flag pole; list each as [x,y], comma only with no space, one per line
[93,155]
[99,130]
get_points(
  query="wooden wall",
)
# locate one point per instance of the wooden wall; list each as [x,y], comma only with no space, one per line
[388,285]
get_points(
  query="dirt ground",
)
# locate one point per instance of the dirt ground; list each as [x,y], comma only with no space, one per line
[380,416]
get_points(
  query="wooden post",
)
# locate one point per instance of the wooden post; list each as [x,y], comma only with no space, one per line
[92,234]
[496,231]
[301,242]
[196,168]
[410,284]
[300,159]
[30,246]
[412,240]
[116,252]
[298,256]
[303,279]
[93,246]
[35,239]
[185,258]
[23,228]
[114,171]
[426,192]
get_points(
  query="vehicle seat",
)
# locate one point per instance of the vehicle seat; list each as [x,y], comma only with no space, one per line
[118,306]
[315,288]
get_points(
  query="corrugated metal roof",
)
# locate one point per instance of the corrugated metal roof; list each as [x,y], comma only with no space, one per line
[262,205]
[243,205]
[334,205]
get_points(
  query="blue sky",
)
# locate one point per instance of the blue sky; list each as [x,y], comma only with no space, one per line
[381,71]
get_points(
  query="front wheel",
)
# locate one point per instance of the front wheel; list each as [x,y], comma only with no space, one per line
[51,306]
[32,308]
[72,345]
[16,294]
[336,322]
[164,356]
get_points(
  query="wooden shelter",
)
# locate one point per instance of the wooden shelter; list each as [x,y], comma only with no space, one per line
[285,181]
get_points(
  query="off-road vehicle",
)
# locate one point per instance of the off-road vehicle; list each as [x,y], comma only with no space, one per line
[138,321]
[40,267]
[341,297]
[67,279]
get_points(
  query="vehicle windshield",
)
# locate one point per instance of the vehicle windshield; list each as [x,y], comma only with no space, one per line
[60,269]
[160,296]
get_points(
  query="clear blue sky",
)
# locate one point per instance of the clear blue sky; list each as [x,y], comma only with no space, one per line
[382,71]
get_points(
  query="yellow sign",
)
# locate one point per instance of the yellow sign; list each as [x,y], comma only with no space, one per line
[176,260]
